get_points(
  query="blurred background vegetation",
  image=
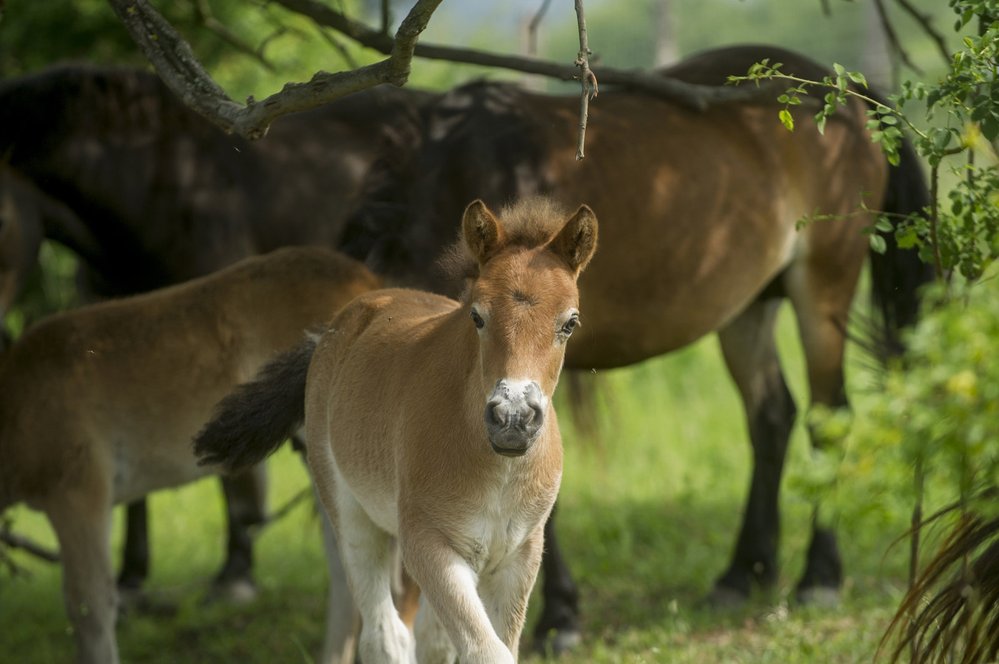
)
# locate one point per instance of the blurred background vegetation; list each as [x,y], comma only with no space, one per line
[651,500]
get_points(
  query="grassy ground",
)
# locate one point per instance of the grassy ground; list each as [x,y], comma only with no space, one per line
[648,514]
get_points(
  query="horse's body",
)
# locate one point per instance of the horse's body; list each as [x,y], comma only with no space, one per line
[100,404]
[699,214]
[405,395]
[148,193]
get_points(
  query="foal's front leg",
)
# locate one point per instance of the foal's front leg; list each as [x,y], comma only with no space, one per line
[507,589]
[450,586]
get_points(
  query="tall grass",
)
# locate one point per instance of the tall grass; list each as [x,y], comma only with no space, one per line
[648,514]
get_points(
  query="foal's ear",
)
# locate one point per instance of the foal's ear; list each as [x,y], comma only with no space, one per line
[482,231]
[577,240]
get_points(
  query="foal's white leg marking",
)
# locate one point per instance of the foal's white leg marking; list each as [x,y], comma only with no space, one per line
[366,553]
[506,590]
[369,559]
[450,586]
[84,533]
[433,645]
[342,618]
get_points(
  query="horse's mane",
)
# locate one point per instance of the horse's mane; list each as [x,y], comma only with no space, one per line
[529,222]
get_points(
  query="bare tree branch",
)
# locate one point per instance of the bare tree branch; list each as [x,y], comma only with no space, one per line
[698,97]
[208,21]
[15,541]
[893,40]
[180,70]
[924,23]
[532,27]
[587,79]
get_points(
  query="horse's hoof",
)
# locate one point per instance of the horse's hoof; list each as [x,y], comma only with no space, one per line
[558,641]
[822,597]
[724,598]
[135,601]
[234,591]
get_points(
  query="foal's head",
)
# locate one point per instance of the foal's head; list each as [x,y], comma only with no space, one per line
[523,301]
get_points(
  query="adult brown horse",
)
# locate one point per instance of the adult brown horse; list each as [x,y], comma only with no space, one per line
[147,193]
[100,403]
[430,421]
[699,233]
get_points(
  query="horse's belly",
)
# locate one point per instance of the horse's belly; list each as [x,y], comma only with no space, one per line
[150,465]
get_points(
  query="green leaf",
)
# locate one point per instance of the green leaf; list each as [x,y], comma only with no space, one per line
[883,224]
[820,123]
[857,78]
[878,244]
[786,119]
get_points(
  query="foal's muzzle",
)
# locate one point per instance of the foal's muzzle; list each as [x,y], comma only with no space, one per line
[515,414]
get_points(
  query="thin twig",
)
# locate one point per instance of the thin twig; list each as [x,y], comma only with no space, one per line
[587,79]
[896,44]
[386,17]
[924,23]
[532,27]
[208,21]
[16,541]
[917,525]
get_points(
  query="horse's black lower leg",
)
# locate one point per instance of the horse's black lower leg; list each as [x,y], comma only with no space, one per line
[135,556]
[558,626]
[823,566]
[755,558]
[245,508]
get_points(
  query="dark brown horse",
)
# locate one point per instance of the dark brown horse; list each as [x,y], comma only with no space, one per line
[147,193]
[699,233]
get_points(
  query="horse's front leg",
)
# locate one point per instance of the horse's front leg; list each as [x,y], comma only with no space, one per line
[81,519]
[506,589]
[450,587]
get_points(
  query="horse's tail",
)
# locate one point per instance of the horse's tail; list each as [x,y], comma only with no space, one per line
[897,274]
[252,421]
[954,603]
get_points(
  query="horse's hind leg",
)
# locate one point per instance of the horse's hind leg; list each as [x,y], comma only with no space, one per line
[135,551]
[558,627]
[822,302]
[246,506]
[750,353]
[81,519]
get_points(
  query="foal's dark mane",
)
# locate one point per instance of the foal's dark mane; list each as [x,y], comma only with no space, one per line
[528,222]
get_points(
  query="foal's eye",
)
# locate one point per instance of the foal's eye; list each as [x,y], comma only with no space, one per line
[477,319]
[570,325]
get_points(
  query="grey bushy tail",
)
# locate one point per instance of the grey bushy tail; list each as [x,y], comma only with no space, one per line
[252,421]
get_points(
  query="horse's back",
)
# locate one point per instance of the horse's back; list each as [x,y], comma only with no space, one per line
[714,66]
[129,382]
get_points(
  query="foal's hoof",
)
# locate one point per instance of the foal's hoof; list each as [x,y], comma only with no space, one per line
[233,591]
[822,597]
[557,641]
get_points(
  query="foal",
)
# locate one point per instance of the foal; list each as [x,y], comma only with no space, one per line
[99,404]
[430,420]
